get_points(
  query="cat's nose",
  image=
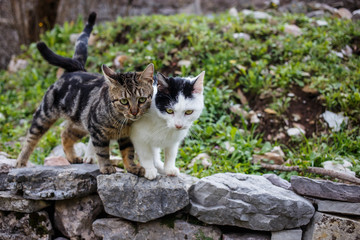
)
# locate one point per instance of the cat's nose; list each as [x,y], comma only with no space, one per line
[134,112]
[178,126]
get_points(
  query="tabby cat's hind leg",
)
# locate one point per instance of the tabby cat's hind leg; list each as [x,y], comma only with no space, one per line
[69,137]
[40,124]
[128,154]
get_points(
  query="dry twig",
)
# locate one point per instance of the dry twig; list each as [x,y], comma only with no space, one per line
[315,170]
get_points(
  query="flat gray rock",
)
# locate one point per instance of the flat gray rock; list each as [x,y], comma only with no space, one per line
[24,226]
[278,181]
[293,234]
[247,236]
[138,199]
[248,201]
[185,230]
[14,203]
[325,189]
[344,208]
[114,229]
[54,182]
[119,229]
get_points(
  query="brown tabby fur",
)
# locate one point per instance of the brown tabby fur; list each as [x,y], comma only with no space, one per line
[92,104]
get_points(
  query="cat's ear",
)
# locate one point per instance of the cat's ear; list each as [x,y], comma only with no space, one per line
[199,83]
[148,74]
[108,73]
[161,82]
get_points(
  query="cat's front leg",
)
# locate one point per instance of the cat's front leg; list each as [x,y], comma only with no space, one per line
[101,148]
[128,155]
[170,158]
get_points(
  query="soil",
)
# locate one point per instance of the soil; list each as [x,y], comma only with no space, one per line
[304,111]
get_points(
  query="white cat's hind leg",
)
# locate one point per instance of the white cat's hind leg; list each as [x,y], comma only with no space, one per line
[90,155]
[159,165]
[170,158]
[146,160]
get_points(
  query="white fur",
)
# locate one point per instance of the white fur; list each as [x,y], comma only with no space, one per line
[156,130]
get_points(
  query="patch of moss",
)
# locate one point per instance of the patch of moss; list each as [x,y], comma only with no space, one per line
[37,222]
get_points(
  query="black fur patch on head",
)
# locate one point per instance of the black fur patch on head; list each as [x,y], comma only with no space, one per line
[169,96]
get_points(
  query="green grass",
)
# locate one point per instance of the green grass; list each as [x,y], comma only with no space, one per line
[270,60]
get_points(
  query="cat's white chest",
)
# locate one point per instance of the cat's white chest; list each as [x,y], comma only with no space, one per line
[154,132]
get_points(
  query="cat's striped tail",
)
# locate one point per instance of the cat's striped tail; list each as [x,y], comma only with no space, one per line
[77,63]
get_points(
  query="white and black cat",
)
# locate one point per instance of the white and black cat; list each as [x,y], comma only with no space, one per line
[176,104]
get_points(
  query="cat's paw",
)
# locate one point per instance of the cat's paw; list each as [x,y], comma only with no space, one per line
[90,159]
[107,170]
[172,171]
[20,164]
[137,170]
[160,167]
[76,160]
[150,173]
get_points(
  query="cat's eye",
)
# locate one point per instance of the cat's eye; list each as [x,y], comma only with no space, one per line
[188,112]
[124,101]
[142,99]
[169,111]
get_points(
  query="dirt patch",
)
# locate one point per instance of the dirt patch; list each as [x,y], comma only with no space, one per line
[303,111]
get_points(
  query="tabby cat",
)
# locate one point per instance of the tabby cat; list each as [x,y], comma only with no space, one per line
[103,106]
[176,104]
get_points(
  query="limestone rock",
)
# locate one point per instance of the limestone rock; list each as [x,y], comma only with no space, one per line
[154,230]
[180,230]
[113,228]
[138,199]
[344,13]
[334,120]
[256,14]
[356,15]
[58,151]
[325,189]
[337,207]
[185,63]
[242,35]
[185,230]
[269,157]
[326,226]
[340,167]
[16,65]
[246,236]
[24,226]
[247,201]
[54,182]
[295,132]
[74,217]
[277,181]
[293,234]
[55,161]
[15,203]
[203,159]
[293,30]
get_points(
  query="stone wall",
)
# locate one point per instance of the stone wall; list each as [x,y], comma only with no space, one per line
[77,202]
